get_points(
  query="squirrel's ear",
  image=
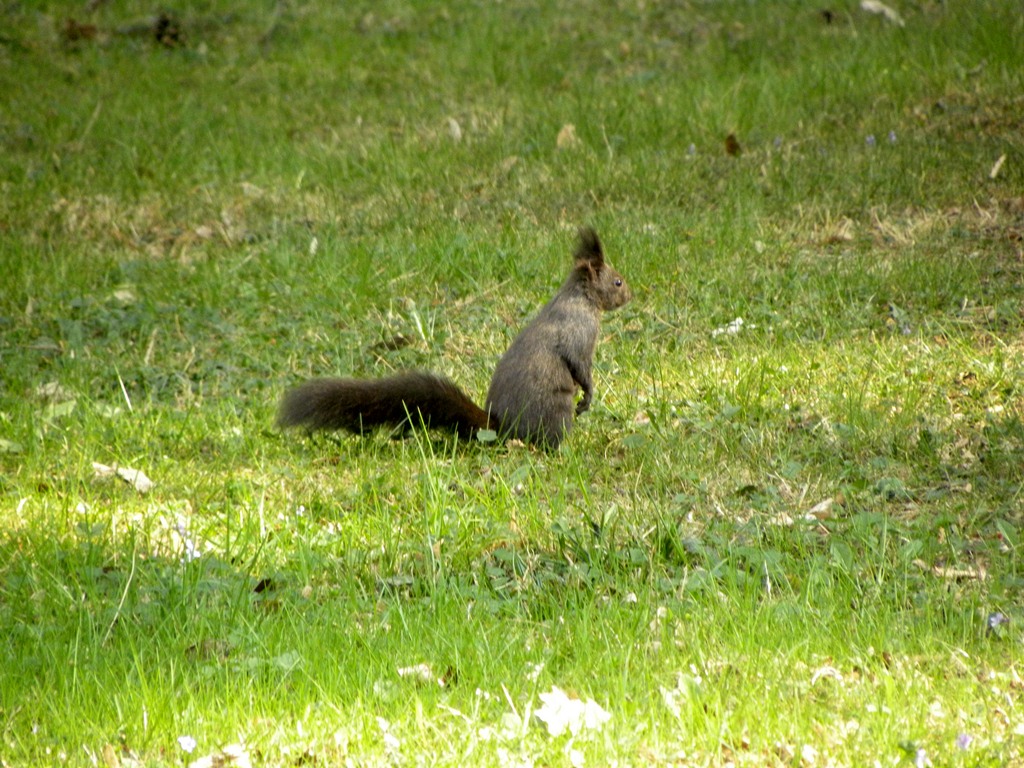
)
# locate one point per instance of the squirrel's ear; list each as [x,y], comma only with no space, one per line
[588,252]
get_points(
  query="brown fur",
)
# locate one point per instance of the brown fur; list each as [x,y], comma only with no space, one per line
[533,387]
[361,404]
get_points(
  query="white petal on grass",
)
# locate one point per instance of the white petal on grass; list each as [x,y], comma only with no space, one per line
[507,759]
[124,295]
[826,671]
[561,713]
[881,9]
[808,755]
[391,742]
[420,673]
[236,755]
[454,129]
[192,551]
[187,743]
[511,725]
[729,329]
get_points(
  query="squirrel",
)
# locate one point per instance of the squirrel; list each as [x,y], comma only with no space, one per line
[533,387]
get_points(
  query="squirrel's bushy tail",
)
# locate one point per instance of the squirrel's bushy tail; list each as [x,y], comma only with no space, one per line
[359,405]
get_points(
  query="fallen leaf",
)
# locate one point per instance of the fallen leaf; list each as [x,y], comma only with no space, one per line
[836,232]
[826,671]
[784,751]
[509,163]
[822,510]
[54,392]
[124,296]
[454,129]
[134,477]
[953,574]
[732,146]
[110,758]
[231,756]
[957,574]
[420,673]
[73,32]
[567,138]
[997,167]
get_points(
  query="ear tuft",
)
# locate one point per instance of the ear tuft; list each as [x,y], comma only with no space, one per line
[589,249]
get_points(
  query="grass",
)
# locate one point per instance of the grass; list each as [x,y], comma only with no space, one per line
[798,544]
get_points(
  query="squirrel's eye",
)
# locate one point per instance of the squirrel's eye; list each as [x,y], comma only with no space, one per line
[618,282]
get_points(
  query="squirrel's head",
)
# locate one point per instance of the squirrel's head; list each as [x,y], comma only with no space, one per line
[603,284]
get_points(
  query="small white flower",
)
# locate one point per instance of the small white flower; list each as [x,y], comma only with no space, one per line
[192,551]
[391,742]
[560,713]
[187,743]
[729,329]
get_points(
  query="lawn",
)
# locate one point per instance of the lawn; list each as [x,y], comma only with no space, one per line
[789,530]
